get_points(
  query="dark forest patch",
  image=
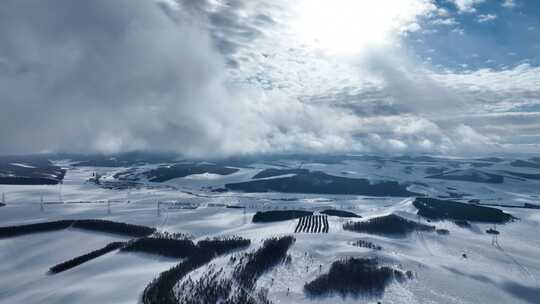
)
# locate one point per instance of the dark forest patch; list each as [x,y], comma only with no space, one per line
[523,175]
[165,173]
[481,165]
[279,215]
[492,231]
[387,225]
[23,180]
[171,248]
[253,265]
[223,245]
[161,289]
[211,287]
[355,277]
[318,182]
[215,287]
[442,231]
[441,209]
[470,175]
[183,247]
[524,164]
[462,223]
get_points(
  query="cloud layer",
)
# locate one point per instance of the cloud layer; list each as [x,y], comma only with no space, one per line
[218,78]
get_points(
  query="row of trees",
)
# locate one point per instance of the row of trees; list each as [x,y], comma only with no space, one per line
[85,258]
[367,244]
[93,225]
[184,247]
[13,231]
[172,248]
[253,265]
[114,227]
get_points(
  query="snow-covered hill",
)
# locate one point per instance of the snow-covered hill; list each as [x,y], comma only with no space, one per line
[466,266]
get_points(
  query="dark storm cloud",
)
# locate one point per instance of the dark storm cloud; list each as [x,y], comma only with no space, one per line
[235,23]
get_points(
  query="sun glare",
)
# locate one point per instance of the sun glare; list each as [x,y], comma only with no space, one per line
[350,26]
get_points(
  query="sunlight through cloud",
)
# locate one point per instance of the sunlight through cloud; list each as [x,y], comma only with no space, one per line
[347,27]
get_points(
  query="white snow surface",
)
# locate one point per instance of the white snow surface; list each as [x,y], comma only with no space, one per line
[508,273]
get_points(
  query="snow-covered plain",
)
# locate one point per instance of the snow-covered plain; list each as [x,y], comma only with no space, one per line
[505,273]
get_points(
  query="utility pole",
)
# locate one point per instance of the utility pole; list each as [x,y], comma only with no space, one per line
[495,239]
[41,203]
[108,206]
[158,211]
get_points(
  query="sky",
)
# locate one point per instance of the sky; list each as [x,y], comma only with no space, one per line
[211,78]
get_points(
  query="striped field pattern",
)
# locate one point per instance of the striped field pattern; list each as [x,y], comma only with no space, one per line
[312,224]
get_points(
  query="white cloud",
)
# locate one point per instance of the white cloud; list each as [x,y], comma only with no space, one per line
[446,21]
[442,12]
[509,3]
[209,78]
[482,18]
[467,6]
[123,75]
[458,31]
